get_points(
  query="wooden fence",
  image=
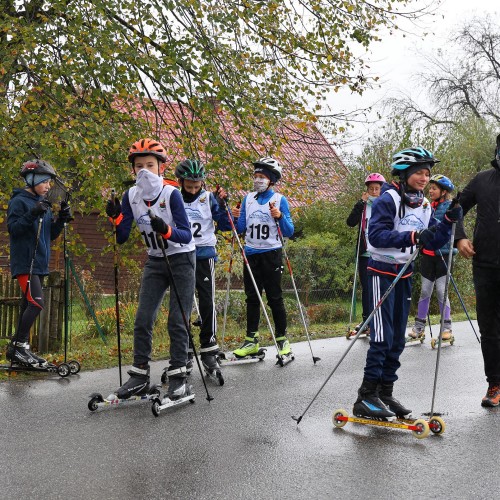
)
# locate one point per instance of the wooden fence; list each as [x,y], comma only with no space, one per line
[46,333]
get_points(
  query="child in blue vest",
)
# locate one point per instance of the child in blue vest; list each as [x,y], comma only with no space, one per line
[152,194]
[203,209]
[432,268]
[400,221]
[257,218]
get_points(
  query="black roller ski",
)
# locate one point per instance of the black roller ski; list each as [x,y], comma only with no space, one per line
[283,360]
[163,404]
[97,401]
[214,374]
[62,369]
[229,359]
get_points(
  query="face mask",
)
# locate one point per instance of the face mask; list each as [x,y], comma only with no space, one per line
[372,198]
[149,185]
[260,185]
[189,197]
[414,200]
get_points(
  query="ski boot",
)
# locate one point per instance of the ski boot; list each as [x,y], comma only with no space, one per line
[136,385]
[20,353]
[369,406]
[354,332]
[285,354]
[249,348]
[209,359]
[385,394]
[178,391]
[446,337]
[492,398]
[417,333]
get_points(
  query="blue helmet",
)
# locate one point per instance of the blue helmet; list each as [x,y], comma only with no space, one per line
[443,182]
[411,157]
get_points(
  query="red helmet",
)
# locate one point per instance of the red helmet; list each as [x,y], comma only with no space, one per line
[144,147]
[375,177]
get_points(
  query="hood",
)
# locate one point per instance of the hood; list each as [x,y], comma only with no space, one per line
[24,194]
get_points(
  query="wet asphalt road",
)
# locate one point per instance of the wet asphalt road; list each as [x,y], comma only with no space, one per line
[245,445]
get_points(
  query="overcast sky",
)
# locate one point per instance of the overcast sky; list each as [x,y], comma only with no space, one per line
[397,58]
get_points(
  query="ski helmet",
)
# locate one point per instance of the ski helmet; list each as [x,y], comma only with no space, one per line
[269,167]
[38,167]
[192,170]
[145,147]
[375,177]
[411,157]
[443,182]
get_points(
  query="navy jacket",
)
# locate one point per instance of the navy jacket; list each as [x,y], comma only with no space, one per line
[23,228]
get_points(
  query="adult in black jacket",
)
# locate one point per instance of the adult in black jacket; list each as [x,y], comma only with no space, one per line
[484,191]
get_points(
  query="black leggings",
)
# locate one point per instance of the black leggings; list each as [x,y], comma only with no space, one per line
[31,305]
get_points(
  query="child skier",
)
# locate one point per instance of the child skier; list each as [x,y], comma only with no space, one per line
[360,215]
[152,194]
[257,219]
[399,222]
[203,209]
[31,229]
[432,268]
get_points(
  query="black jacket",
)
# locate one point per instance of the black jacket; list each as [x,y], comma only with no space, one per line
[484,191]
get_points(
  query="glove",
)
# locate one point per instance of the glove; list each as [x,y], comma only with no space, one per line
[425,237]
[221,195]
[159,225]
[40,208]
[454,214]
[65,214]
[113,208]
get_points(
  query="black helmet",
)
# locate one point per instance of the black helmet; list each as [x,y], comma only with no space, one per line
[38,167]
[192,170]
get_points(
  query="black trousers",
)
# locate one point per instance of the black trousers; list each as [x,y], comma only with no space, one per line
[487,286]
[267,269]
[365,284]
[205,286]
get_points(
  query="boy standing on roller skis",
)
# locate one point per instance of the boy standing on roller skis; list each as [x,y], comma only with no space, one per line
[203,209]
[400,221]
[257,218]
[152,194]
[359,216]
[432,267]
[31,229]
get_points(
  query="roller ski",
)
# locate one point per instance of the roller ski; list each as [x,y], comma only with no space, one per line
[23,359]
[446,337]
[352,333]
[210,362]
[420,428]
[178,392]
[285,354]
[135,390]
[417,333]
[249,352]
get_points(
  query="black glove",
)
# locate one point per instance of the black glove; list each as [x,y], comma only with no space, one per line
[159,225]
[454,214]
[40,208]
[65,214]
[113,208]
[425,237]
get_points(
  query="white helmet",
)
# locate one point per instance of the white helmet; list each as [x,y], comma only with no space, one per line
[271,165]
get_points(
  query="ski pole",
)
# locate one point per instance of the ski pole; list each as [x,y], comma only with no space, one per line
[429,321]
[179,303]
[117,297]
[289,265]
[228,287]
[460,297]
[247,265]
[441,326]
[353,298]
[413,256]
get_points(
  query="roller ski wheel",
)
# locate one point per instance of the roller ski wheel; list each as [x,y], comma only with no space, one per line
[97,401]
[74,366]
[228,359]
[450,341]
[437,425]
[162,404]
[420,428]
[283,360]
[215,375]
